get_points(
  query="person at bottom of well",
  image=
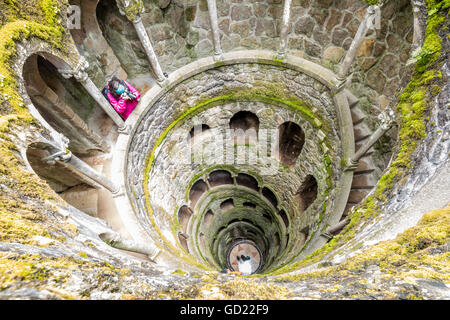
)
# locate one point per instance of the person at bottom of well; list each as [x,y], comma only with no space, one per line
[244,265]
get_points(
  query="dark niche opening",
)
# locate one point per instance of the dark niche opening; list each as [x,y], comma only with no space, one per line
[184,215]
[244,126]
[220,177]
[307,193]
[183,241]
[247,181]
[197,190]
[207,219]
[227,205]
[269,195]
[291,140]
[285,218]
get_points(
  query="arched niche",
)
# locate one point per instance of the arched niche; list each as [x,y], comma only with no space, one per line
[285,218]
[122,38]
[220,177]
[291,139]
[244,126]
[248,181]
[63,103]
[307,193]
[183,241]
[90,41]
[184,215]
[269,195]
[227,205]
[75,189]
[207,219]
[197,190]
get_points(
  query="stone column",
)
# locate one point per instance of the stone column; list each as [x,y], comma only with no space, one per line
[116,241]
[419,27]
[80,74]
[62,155]
[212,9]
[132,9]
[284,30]
[371,20]
[387,121]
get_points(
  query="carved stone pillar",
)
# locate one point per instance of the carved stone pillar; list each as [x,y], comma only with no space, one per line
[212,9]
[284,29]
[387,120]
[371,20]
[132,9]
[80,74]
[61,154]
[116,241]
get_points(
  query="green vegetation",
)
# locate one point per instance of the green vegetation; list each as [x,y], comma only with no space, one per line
[412,113]
[407,256]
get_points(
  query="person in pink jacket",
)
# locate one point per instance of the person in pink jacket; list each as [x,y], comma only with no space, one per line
[122,96]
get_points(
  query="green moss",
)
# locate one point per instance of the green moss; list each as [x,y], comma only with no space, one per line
[235,289]
[412,113]
[410,251]
[179,272]
[83,254]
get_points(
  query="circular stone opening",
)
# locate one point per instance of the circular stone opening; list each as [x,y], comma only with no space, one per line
[244,249]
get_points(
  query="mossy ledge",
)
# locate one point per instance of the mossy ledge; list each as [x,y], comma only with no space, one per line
[407,256]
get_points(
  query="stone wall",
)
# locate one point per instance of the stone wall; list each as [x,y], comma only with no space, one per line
[170,176]
[320,31]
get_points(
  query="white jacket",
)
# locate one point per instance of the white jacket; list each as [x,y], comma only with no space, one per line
[245,267]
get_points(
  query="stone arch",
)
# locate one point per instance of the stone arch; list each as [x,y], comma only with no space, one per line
[113,25]
[50,97]
[285,218]
[227,205]
[184,215]
[183,241]
[291,139]
[244,126]
[220,177]
[270,196]
[207,219]
[90,40]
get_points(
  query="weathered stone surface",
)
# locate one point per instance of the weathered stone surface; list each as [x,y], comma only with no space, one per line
[304,25]
[390,65]
[241,28]
[239,13]
[366,48]
[339,35]
[333,54]
[376,80]
[312,49]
